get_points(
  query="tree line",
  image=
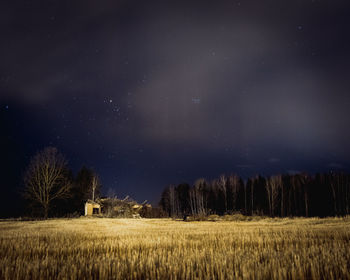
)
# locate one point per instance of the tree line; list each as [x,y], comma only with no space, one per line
[51,189]
[323,194]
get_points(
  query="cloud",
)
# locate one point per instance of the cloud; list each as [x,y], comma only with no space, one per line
[293,172]
[335,165]
[244,165]
[273,160]
[224,77]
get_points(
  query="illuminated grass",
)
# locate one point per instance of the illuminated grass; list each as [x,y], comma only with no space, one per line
[165,249]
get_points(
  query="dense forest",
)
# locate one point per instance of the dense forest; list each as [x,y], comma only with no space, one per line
[326,194]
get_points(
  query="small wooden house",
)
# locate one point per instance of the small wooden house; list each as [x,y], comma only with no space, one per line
[92,208]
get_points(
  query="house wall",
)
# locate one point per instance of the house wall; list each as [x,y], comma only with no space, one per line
[89,208]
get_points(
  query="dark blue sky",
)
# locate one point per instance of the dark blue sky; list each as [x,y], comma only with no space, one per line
[150,93]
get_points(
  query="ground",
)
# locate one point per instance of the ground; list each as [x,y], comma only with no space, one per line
[99,248]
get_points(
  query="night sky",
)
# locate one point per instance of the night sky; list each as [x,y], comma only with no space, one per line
[151,93]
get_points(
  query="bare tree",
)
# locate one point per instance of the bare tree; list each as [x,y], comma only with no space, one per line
[197,199]
[174,202]
[273,186]
[340,185]
[305,181]
[46,178]
[253,182]
[222,184]
[234,185]
[296,195]
[94,185]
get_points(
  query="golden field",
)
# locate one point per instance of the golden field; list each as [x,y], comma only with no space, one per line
[101,248]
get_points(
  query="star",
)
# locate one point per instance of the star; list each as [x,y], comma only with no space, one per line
[196,100]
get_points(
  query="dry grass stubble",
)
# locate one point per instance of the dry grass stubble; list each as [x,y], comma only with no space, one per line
[98,248]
